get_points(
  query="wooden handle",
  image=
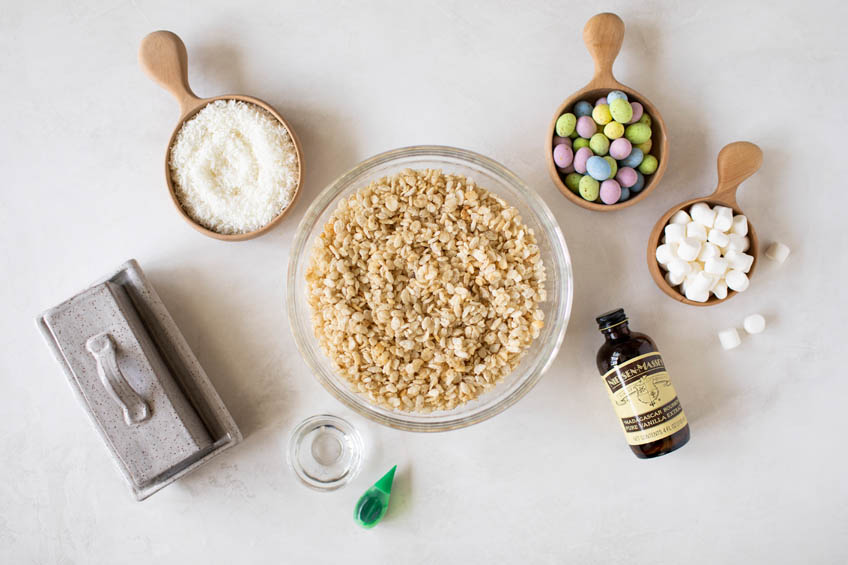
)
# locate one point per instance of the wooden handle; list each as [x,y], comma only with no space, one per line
[736,162]
[603,35]
[163,57]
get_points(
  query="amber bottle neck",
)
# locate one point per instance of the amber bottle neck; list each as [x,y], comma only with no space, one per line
[617,332]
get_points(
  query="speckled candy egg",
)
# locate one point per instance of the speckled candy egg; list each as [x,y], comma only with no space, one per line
[626,176]
[560,140]
[613,166]
[638,110]
[581,157]
[589,188]
[638,133]
[586,127]
[601,114]
[583,108]
[649,165]
[625,194]
[639,184]
[616,95]
[620,149]
[633,159]
[613,130]
[565,124]
[610,191]
[601,100]
[621,110]
[572,181]
[599,144]
[598,168]
[563,155]
[580,142]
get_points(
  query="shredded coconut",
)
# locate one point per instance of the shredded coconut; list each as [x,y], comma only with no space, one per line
[234,167]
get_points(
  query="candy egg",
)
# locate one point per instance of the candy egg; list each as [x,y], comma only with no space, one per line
[601,100]
[613,130]
[620,148]
[625,194]
[621,110]
[645,119]
[598,168]
[634,158]
[563,155]
[648,165]
[645,148]
[572,181]
[580,158]
[565,124]
[610,192]
[580,142]
[626,177]
[613,166]
[599,144]
[638,110]
[616,95]
[589,188]
[637,133]
[586,126]
[562,140]
[639,184]
[583,108]
[566,170]
[601,114]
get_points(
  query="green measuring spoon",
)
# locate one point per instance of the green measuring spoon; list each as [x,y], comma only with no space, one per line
[372,506]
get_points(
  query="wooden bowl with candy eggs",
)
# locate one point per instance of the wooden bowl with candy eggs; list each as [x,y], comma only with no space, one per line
[736,162]
[603,36]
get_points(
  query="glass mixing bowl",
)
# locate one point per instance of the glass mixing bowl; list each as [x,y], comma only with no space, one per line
[489,175]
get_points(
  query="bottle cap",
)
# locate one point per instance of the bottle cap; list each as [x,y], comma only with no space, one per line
[611,318]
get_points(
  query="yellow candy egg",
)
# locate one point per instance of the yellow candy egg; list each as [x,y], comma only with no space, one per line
[613,130]
[645,147]
[601,114]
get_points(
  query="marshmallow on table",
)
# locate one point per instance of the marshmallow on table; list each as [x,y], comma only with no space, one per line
[740,225]
[720,289]
[708,251]
[754,324]
[689,248]
[729,338]
[718,238]
[777,252]
[680,217]
[739,261]
[703,214]
[736,280]
[696,231]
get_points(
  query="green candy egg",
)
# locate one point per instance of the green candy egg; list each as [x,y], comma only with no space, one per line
[601,114]
[565,124]
[645,147]
[572,181]
[574,135]
[645,119]
[589,188]
[613,166]
[638,133]
[599,144]
[613,130]
[621,110]
[579,143]
[648,166]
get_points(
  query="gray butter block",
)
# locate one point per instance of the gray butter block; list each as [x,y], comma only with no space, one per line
[141,385]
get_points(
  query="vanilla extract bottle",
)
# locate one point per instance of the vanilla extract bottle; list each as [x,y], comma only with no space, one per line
[640,389]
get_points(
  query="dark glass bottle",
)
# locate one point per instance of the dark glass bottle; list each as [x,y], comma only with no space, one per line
[640,389]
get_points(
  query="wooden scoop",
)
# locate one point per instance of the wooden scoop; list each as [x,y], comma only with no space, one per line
[603,35]
[736,162]
[163,57]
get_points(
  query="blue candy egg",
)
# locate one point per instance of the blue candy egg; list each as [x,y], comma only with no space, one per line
[633,159]
[615,95]
[598,168]
[640,182]
[625,194]
[583,108]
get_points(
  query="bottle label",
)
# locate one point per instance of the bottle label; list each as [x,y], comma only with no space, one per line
[644,399]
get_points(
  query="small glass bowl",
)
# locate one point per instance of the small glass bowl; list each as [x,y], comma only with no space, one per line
[489,175]
[325,452]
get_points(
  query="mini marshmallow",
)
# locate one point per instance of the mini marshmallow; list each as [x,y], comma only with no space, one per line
[736,280]
[718,237]
[777,252]
[709,250]
[754,323]
[696,295]
[696,267]
[679,267]
[739,261]
[716,266]
[696,231]
[737,243]
[724,218]
[674,233]
[720,289]
[674,279]
[664,254]
[702,281]
[680,217]
[729,338]
[740,225]
[703,214]
[689,248]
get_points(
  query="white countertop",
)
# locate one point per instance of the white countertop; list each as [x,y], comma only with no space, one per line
[551,480]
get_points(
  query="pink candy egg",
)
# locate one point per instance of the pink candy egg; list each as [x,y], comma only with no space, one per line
[566,170]
[560,140]
[601,100]
[626,176]
[638,110]
[563,155]
[586,126]
[580,159]
[620,148]
[610,191]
